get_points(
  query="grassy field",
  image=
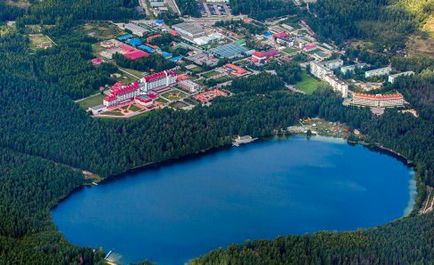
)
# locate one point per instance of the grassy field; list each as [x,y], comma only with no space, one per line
[210,74]
[174,95]
[39,41]
[289,50]
[308,84]
[101,30]
[91,101]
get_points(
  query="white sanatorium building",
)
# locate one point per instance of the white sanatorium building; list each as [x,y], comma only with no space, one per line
[381,101]
[392,78]
[378,72]
[324,71]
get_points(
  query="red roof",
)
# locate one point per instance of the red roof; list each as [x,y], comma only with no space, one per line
[237,69]
[281,35]
[159,75]
[118,89]
[137,54]
[378,96]
[97,61]
[266,54]
[310,46]
[110,98]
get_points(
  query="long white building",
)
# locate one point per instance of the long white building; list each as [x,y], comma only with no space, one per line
[158,80]
[392,78]
[378,72]
[377,101]
[324,71]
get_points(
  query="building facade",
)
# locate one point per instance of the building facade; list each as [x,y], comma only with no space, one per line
[378,100]
[158,80]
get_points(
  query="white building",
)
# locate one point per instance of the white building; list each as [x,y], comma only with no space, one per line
[189,30]
[333,64]
[378,72]
[321,71]
[158,80]
[135,29]
[377,101]
[351,68]
[392,78]
[189,85]
[120,94]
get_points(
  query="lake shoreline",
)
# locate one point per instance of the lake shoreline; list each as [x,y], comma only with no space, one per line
[291,147]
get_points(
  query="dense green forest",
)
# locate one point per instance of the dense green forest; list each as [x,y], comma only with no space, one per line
[46,139]
[382,22]
[262,9]
[188,7]
[8,12]
[401,242]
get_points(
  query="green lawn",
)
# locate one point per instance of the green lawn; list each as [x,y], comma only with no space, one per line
[290,50]
[91,101]
[308,84]
[210,74]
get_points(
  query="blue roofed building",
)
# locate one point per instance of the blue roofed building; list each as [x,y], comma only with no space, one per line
[135,42]
[124,37]
[146,48]
[167,55]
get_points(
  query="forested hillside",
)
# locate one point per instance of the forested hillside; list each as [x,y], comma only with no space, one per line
[387,24]
[401,242]
[263,9]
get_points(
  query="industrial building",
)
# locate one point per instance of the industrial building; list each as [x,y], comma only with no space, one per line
[189,30]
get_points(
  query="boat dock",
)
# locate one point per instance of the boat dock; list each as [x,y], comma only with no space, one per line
[239,140]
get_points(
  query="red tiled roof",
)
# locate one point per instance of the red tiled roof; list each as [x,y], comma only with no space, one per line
[137,54]
[378,96]
[266,54]
[118,90]
[281,35]
[159,75]
[237,69]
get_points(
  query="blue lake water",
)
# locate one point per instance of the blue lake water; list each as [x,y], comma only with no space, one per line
[178,211]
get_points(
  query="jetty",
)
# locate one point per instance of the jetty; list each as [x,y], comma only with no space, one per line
[239,140]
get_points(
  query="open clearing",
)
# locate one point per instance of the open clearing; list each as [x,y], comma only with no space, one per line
[40,41]
[101,30]
[91,101]
[307,84]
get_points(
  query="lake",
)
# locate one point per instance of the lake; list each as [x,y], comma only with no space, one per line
[177,211]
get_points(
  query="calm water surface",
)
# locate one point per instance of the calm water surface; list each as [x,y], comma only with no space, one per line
[175,212]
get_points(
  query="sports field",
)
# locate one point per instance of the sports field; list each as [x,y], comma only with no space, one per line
[308,84]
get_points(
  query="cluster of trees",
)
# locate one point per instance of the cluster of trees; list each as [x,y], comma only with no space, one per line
[48,12]
[189,8]
[155,63]
[376,60]
[289,72]
[260,83]
[263,9]
[241,26]
[384,24]
[8,12]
